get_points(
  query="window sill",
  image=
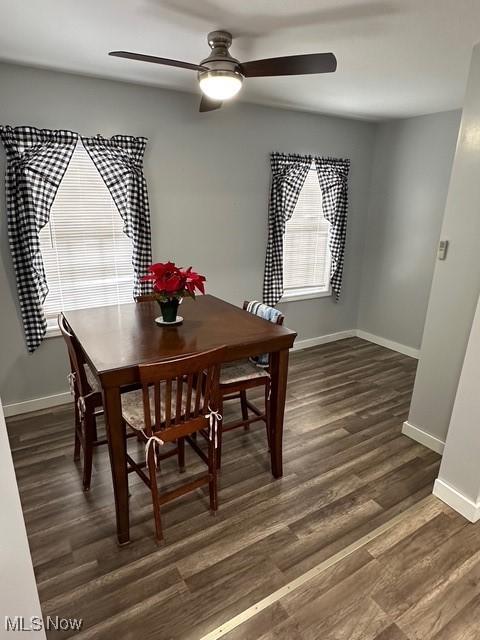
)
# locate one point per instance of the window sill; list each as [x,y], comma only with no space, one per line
[53,332]
[295,297]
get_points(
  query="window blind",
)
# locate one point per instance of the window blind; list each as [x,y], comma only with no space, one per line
[306,255]
[86,255]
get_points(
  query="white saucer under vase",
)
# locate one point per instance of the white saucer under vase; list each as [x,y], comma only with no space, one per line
[162,323]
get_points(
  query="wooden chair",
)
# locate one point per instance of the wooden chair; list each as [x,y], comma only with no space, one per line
[179,399]
[88,402]
[235,380]
[87,395]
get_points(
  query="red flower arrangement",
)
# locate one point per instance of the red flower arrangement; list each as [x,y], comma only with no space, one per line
[172,282]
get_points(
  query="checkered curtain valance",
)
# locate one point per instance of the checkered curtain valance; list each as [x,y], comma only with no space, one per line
[119,161]
[36,162]
[289,172]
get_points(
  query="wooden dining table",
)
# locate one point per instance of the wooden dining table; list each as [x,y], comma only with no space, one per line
[116,339]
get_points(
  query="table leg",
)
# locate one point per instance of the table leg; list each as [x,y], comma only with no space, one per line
[118,459]
[279,374]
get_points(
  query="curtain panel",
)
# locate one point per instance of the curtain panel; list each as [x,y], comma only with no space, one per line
[119,160]
[333,179]
[289,172]
[36,163]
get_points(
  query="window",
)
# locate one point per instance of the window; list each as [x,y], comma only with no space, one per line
[86,255]
[306,255]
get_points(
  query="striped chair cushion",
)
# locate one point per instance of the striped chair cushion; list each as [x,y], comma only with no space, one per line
[267,313]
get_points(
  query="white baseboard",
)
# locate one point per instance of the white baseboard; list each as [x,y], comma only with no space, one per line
[36,404]
[389,344]
[350,333]
[463,505]
[423,437]
[329,337]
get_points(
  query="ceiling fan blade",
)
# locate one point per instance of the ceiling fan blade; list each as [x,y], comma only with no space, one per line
[207,104]
[290,65]
[167,61]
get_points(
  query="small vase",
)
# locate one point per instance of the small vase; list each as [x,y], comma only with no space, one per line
[169,309]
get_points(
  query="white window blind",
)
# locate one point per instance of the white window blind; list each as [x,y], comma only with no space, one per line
[306,255]
[86,255]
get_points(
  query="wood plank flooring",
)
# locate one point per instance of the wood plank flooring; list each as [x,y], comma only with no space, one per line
[347,470]
[419,581]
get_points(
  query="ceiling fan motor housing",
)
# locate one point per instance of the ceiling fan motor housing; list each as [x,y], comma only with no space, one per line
[220,58]
[220,68]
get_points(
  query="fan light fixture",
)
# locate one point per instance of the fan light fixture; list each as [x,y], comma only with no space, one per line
[220,85]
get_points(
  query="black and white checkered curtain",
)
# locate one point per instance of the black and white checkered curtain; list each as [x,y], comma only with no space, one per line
[119,161]
[333,179]
[289,172]
[36,162]
[288,177]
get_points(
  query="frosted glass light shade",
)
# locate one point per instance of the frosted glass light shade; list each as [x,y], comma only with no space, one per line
[220,85]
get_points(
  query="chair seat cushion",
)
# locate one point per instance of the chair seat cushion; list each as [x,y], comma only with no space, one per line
[235,372]
[91,379]
[132,407]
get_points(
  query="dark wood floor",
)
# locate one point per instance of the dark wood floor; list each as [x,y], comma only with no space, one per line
[348,470]
[419,581]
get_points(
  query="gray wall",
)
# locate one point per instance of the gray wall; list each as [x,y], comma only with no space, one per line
[410,176]
[208,179]
[456,281]
[18,593]
[460,468]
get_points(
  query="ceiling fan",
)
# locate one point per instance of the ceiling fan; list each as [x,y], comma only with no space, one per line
[220,76]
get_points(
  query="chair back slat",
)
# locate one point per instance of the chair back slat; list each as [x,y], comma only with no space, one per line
[189,385]
[75,356]
[179,400]
[168,402]
[198,395]
[157,395]
[188,399]
[146,408]
[207,387]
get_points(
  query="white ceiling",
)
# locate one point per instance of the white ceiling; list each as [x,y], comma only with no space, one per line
[396,58]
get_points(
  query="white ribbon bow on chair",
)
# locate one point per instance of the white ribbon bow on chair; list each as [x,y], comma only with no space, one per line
[214,418]
[151,441]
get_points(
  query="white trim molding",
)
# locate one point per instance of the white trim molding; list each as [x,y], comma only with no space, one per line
[329,337]
[297,296]
[36,404]
[458,501]
[421,436]
[359,333]
[389,344]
